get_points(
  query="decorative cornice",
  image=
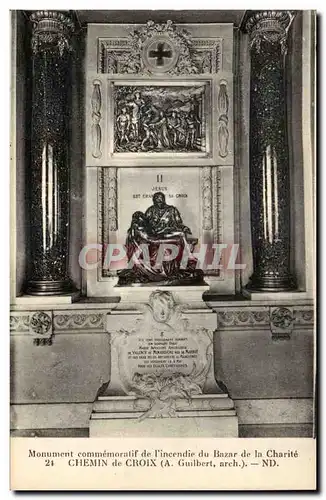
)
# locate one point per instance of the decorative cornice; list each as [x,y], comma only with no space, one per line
[51,29]
[269,26]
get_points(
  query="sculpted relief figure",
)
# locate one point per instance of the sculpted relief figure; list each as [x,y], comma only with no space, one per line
[158,119]
[148,233]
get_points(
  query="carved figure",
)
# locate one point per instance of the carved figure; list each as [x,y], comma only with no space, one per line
[193,123]
[136,106]
[175,130]
[160,119]
[161,224]
[123,123]
[163,140]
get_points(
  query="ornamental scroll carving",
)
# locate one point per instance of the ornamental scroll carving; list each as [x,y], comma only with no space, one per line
[223,119]
[207,195]
[179,53]
[92,321]
[96,133]
[112,198]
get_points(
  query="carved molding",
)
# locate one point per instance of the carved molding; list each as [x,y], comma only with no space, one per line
[206,174]
[188,55]
[217,228]
[207,54]
[79,321]
[96,132]
[112,198]
[217,206]
[223,119]
[107,209]
[19,323]
[51,29]
[37,324]
[236,318]
[304,316]
[270,26]
[280,320]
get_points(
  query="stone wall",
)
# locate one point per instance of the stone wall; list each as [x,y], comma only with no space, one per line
[268,375]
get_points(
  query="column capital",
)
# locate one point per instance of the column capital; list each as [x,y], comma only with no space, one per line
[269,26]
[51,29]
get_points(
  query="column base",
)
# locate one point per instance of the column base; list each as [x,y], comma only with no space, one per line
[271,283]
[49,288]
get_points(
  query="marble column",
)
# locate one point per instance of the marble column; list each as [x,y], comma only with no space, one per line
[269,156]
[48,174]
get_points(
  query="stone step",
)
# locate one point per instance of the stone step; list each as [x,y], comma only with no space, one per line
[209,402]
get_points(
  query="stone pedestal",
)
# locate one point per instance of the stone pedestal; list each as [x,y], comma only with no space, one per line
[189,296]
[162,374]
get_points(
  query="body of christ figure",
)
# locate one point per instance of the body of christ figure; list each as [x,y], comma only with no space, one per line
[161,224]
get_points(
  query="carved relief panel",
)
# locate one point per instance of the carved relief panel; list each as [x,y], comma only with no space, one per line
[159,99]
[159,94]
[157,49]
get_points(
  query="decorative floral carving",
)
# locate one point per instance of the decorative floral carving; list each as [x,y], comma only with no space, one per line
[207,198]
[96,102]
[114,55]
[204,61]
[179,40]
[134,59]
[269,26]
[162,391]
[40,323]
[51,29]
[281,317]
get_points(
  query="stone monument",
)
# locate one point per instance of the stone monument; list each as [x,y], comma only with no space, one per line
[162,342]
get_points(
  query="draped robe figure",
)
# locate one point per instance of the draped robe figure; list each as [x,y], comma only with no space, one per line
[161,224]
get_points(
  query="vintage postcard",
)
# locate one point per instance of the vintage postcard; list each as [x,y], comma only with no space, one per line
[162,319]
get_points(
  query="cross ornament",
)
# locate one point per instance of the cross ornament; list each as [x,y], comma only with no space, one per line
[161,53]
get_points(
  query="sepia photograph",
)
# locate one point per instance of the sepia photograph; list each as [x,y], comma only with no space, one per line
[162,245]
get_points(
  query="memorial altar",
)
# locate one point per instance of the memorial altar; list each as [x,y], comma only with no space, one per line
[163,283]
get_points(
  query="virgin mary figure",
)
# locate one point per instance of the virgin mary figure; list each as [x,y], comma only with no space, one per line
[161,224]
